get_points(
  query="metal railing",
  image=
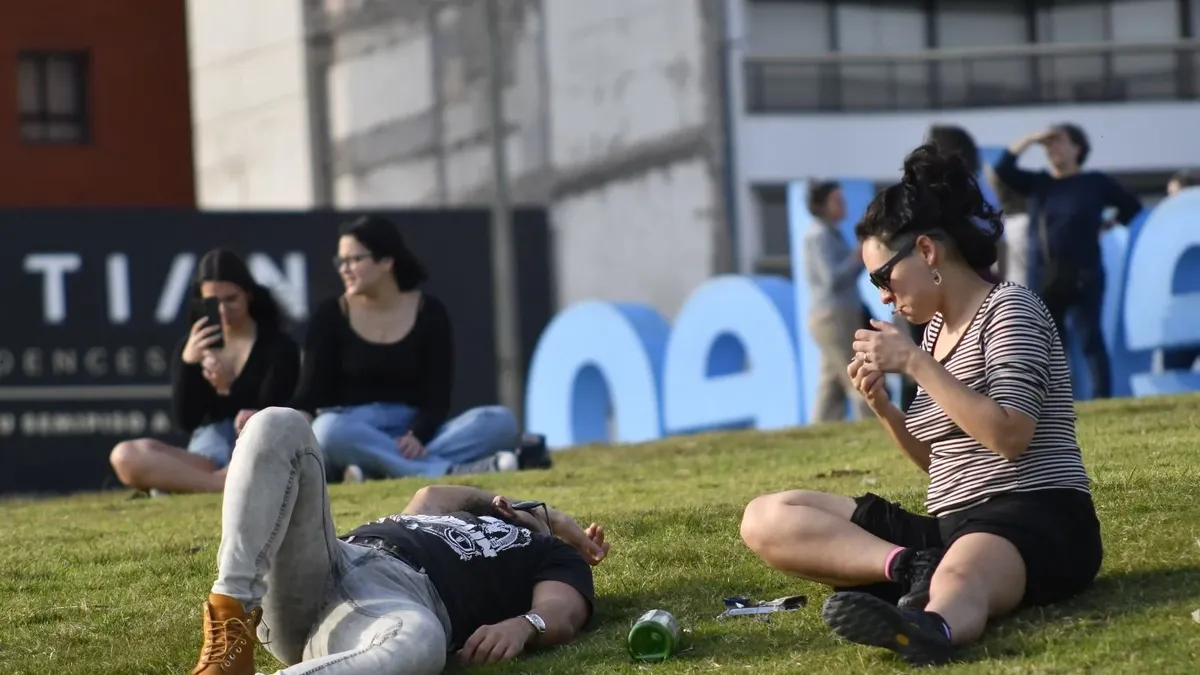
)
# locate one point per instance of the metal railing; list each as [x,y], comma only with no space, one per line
[971,78]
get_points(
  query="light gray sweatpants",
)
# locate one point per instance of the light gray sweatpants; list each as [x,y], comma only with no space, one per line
[328,607]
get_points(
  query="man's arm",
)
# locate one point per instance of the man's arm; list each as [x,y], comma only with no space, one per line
[562,608]
[1019,180]
[1127,205]
[440,500]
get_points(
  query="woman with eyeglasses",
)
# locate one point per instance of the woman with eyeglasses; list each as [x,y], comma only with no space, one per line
[378,369]
[1010,515]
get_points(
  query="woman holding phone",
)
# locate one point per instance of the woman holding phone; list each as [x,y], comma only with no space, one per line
[235,360]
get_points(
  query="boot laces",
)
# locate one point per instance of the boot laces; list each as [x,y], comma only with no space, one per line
[221,642]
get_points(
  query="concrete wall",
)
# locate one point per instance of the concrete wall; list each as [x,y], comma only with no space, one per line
[409,105]
[249,104]
[636,212]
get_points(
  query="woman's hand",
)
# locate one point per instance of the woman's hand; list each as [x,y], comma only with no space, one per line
[869,382]
[243,416]
[219,375]
[410,446]
[886,348]
[201,337]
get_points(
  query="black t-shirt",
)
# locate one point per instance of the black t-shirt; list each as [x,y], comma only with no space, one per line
[342,369]
[484,569]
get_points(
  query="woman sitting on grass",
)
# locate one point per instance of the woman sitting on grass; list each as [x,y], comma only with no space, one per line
[215,389]
[378,370]
[1011,516]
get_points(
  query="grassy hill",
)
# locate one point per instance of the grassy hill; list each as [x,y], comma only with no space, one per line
[105,584]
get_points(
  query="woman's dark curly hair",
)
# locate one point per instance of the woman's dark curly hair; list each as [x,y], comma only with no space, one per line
[939,197]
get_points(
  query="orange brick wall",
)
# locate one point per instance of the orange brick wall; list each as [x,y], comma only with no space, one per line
[140,151]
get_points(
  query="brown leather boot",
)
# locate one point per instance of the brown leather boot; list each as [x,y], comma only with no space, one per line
[229,638]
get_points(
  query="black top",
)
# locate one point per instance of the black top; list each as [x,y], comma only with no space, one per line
[483,568]
[1073,209]
[341,368]
[268,379]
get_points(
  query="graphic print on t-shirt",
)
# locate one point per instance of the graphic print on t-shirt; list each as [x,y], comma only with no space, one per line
[486,537]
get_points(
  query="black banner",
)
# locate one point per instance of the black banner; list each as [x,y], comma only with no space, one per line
[96,300]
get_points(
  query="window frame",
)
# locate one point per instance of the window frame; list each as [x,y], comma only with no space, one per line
[34,126]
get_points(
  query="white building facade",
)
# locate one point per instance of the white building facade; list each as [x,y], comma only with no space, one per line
[613,117]
[660,133]
[844,88]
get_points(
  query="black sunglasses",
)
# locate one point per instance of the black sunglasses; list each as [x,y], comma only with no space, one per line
[528,506]
[881,277]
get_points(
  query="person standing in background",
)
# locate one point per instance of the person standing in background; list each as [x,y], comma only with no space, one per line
[1016,232]
[1184,178]
[1066,216]
[831,269]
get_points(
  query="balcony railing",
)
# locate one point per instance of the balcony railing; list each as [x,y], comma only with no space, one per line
[973,78]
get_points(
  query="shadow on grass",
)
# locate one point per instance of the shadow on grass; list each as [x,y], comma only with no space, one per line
[1110,598]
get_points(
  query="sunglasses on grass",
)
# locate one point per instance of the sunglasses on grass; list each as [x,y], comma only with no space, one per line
[881,277]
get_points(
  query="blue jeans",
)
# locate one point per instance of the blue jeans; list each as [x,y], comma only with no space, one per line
[214,441]
[366,435]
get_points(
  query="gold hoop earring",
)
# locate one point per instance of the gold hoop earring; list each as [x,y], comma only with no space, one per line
[937,277]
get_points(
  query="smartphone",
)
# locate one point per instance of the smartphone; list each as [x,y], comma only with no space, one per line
[212,316]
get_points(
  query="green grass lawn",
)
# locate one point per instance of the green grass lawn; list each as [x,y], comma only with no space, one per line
[105,584]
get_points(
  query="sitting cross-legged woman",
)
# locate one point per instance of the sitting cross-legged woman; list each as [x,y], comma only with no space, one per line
[1011,519]
[378,370]
[215,390]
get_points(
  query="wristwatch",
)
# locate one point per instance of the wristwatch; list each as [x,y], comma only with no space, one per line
[536,621]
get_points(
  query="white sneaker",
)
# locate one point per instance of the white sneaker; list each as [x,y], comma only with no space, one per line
[352,474]
[501,461]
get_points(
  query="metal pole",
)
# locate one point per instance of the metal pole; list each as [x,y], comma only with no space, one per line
[504,267]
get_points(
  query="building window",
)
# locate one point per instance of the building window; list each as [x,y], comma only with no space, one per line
[52,94]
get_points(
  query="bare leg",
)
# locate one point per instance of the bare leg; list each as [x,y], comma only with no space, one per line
[147,464]
[982,576]
[809,535]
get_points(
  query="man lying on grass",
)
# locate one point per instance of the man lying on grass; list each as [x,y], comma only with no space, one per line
[993,424]
[460,569]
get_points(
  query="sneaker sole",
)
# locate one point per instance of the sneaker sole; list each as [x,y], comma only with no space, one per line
[866,620]
[914,601]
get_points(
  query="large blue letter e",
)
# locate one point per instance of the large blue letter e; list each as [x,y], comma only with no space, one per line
[731,359]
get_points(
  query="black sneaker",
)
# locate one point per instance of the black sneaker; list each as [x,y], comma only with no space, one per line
[916,576]
[864,619]
[533,453]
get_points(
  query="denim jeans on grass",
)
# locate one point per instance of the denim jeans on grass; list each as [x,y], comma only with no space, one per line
[329,607]
[365,435]
[214,441]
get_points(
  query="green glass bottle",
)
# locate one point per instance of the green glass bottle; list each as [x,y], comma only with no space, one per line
[654,636]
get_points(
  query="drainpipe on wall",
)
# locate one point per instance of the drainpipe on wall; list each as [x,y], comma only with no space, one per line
[719,131]
[318,57]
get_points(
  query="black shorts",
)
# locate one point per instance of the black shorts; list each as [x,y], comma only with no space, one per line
[1055,531]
